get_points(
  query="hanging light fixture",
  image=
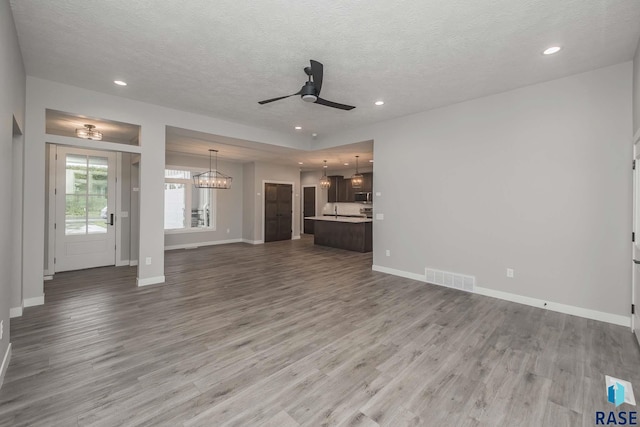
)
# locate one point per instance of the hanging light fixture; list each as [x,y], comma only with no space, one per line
[89,132]
[213,178]
[325,182]
[357,179]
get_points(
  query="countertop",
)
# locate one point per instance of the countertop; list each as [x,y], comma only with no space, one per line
[350,219]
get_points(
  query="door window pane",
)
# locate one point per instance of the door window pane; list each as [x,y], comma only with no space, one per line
[75,215]
[85,194]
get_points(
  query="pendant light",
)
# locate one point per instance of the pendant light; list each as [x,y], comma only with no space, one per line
[89,132]
[357,179]
[213,178]
[325,182]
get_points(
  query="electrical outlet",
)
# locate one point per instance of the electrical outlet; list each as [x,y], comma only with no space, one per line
[148,260]
[1,329]
[388,252]
[510,273]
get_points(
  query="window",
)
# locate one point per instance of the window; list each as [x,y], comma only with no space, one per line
[187,207]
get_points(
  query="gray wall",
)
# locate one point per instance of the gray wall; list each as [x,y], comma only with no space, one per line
[12,104]
[249,196]
[228,204]
[636,90]
[536,179]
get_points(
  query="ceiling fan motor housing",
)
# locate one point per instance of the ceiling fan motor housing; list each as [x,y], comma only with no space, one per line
[308,92]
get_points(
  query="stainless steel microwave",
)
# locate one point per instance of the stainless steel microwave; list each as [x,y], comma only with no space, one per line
[363,196]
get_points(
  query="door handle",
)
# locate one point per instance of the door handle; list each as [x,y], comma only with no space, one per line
[111,220]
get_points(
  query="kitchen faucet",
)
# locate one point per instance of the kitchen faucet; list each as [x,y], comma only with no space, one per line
[335,208]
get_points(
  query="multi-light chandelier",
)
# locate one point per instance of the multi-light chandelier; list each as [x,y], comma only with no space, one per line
[325,182]
[89,132]
[357,179]
[212,178]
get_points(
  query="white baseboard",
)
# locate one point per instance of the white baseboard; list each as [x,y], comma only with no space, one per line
[48,277]
[296,237]
[197,245]
[122,263]
[150,281]
[253,242]
[15,312]
[133,263]
[32,302]
[615,319]
[393,271]
[5,364]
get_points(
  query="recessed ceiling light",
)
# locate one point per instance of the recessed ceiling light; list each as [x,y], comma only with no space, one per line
[298,127]
[346,164]
[314,134]
[120,82]
[300,163]
[371,161]
[379,102]
[551,50]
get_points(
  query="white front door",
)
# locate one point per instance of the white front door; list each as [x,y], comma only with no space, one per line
[85,209]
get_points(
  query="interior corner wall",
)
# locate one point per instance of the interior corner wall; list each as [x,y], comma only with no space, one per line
[12,107]
[537,179]
[228,217]
[636,91]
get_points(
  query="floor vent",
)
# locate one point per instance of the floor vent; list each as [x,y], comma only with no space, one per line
[450,280]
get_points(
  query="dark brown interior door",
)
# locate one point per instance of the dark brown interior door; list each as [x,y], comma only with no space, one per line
[309,208]
[277,212]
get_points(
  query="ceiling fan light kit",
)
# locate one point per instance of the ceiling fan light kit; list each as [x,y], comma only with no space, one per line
[213,178]
[310,92]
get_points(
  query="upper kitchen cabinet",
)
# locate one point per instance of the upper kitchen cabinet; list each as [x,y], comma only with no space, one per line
[367,182]
[342,191]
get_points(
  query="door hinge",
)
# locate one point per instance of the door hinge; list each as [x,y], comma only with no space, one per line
[54,260]
[634,165]
[633,237]
[55,226]
[633,309]
[55,191]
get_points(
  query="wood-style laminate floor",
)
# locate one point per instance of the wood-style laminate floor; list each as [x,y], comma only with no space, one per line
[287,334]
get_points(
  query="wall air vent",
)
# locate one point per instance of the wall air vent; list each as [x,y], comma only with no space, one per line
[450,280]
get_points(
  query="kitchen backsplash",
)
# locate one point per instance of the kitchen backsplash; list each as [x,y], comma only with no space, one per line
[344,208]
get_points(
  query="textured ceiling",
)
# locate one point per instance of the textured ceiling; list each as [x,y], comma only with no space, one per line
[220,58]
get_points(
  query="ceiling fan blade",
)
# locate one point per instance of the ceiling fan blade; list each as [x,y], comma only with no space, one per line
[316,72]
[333,104]
[266,101]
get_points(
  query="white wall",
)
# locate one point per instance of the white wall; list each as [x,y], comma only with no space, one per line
[12,104]
[228,205]
[636,91]
[537,179]
[153,119]
[249,197]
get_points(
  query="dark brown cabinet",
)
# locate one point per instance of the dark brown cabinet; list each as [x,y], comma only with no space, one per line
[342,191]
[277,212]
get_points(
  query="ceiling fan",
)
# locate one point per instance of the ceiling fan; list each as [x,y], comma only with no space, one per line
[310,92]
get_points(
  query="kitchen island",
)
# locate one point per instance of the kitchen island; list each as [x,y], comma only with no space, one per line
[343,232]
